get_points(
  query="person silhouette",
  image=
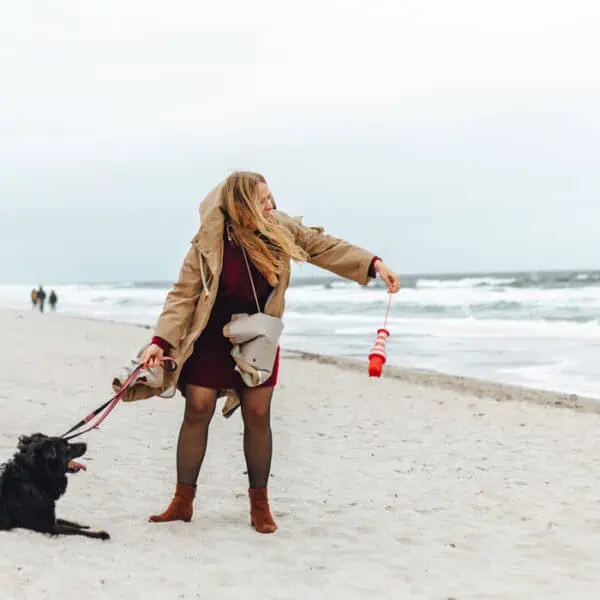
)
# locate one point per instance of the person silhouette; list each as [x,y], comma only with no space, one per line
[41,298]
[52,300]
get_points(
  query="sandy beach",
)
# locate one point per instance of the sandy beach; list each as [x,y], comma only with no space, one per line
[416,485]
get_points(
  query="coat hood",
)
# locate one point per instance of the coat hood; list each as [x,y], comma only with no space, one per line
[212,217]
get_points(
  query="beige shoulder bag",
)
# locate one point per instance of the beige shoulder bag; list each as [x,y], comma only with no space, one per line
[255,339]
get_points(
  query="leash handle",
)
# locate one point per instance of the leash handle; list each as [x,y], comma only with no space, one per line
[110,404]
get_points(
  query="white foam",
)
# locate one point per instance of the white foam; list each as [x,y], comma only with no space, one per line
[483,331]
[466,282]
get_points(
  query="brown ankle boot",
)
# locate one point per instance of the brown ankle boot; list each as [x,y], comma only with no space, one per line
[260,514]
[181,507]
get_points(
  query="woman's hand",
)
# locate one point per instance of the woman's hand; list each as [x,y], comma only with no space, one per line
[152,355]
[389,277]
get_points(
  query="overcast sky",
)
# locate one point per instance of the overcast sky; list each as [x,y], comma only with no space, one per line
[443,135]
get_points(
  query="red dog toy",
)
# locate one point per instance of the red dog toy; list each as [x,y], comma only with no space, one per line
[377,355]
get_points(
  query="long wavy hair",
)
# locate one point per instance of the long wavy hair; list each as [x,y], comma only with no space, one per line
[269,244]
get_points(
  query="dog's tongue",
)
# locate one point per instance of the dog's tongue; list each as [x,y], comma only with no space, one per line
[75,466]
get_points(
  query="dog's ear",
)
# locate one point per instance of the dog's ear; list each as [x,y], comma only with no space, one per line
[27,455]
[49,451]
[26,440]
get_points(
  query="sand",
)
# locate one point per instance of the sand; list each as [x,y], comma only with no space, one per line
[416,485]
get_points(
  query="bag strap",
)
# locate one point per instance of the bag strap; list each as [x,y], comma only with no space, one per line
[251,279]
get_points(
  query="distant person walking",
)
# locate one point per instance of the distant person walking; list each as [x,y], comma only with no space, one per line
[52,300]
[34,298]
[41,298]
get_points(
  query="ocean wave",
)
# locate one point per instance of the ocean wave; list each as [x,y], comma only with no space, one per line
[575,304]
[466,326]
[533,280]
[578,303]
[467,282]
[490,326]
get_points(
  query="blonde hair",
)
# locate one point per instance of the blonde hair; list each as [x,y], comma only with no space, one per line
[269,244]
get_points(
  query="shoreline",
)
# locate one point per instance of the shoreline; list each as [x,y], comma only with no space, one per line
[481,388]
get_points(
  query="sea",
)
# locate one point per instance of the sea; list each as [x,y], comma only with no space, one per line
[538,329]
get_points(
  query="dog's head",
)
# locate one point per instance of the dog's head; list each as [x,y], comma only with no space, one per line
[49,456]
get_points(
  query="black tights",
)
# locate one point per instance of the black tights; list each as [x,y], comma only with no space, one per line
[193,436]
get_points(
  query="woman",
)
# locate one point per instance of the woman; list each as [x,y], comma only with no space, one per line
[237,218]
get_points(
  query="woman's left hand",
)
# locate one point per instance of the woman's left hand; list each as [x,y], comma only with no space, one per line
[391,279]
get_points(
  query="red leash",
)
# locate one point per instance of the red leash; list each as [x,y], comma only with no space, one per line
[108,407]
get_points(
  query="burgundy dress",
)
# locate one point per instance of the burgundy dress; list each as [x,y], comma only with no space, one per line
[211,364]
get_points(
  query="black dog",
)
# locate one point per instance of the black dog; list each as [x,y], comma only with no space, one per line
[32,482]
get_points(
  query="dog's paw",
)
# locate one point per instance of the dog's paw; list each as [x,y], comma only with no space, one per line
[103,535]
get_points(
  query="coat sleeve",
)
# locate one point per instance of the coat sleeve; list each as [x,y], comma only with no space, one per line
[331,253]
[181,301]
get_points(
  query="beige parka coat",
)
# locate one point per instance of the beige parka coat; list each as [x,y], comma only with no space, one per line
[189,303]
